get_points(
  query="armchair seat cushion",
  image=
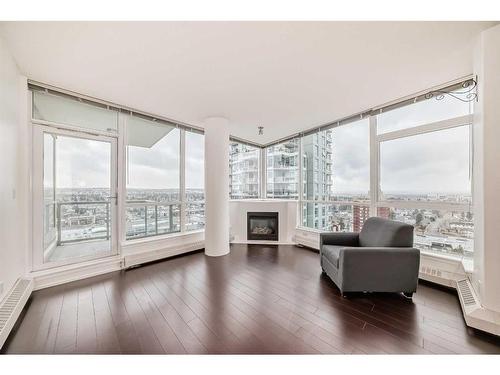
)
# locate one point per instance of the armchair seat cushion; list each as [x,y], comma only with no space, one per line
[332,253]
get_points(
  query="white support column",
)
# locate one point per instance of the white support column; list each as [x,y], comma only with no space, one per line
[486,189]
[216,186]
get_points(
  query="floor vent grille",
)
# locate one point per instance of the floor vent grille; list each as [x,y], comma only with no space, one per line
[466,294]
[12,305]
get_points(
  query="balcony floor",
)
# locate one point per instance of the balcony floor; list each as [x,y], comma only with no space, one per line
[80,250]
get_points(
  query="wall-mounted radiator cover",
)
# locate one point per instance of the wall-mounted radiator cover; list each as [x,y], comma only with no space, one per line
[12,305]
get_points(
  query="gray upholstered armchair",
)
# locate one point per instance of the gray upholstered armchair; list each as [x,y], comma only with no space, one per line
[380,258]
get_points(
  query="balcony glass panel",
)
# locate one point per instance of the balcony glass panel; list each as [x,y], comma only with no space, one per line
[144,219]
[195,216]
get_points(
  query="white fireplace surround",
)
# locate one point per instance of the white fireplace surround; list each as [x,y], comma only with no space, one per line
[287,214]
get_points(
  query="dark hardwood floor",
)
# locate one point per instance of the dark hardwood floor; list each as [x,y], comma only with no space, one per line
[258,299]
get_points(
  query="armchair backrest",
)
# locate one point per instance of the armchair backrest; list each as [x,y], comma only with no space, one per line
[379,232]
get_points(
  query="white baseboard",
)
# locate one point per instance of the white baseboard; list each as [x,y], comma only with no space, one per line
[166,252]
[61,275]
[441,270]
[484,320]
[307,238]
[262,243]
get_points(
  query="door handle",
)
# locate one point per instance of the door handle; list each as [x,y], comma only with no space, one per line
[115,197]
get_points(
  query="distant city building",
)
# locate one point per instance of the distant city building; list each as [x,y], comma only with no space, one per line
[359,215]
[282,170]
[243,171]
[318,181]
[384,212]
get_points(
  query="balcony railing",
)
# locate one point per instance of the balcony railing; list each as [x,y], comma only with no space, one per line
[87,220]
[149,218]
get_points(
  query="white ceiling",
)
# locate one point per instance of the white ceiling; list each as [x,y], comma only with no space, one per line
[285,76]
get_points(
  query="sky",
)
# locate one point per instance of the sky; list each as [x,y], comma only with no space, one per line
[351,158]
[82,163]
[86,163]
[435,162]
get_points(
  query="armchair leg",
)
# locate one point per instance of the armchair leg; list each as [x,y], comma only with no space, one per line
[408,294]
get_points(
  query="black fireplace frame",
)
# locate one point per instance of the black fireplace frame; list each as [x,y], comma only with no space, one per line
[263,237]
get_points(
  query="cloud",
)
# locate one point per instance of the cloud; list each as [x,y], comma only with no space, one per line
[351,158]
[82,163]
[436,162]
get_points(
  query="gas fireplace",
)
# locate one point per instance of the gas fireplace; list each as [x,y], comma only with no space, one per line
[262,226]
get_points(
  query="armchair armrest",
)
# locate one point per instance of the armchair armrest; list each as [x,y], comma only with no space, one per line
[339,239]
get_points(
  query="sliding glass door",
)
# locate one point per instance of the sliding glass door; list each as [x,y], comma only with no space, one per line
[74,196]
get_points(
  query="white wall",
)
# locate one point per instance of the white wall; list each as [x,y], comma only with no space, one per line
[12,194]
[486,275]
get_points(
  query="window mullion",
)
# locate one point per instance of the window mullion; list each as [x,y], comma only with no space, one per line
[374,166]
[300,214]
[182,180]
[263,173]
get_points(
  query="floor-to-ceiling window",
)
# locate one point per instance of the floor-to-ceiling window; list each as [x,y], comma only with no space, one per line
[153,197]
[244,171]
[165,178]
[74,180]
[425,157]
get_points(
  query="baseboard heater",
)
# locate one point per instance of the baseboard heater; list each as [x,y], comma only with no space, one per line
[12,305]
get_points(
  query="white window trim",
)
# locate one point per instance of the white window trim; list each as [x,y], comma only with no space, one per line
[426,128]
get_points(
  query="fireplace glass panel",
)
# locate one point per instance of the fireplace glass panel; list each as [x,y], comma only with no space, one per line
[262,226]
